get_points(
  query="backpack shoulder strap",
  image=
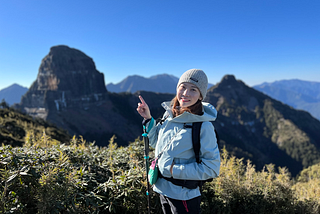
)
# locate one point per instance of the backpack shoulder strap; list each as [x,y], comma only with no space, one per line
[196,128]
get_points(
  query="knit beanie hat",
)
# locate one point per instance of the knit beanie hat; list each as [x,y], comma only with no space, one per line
[196,77]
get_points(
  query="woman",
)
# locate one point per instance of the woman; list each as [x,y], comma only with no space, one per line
[173,141]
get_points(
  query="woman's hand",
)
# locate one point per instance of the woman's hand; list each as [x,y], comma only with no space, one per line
[143,109]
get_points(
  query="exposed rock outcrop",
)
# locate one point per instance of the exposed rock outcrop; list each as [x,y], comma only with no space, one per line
[67,77]
[70,93]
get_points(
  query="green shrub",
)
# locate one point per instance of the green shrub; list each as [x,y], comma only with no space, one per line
[307,189]
[44,176]
[241,189]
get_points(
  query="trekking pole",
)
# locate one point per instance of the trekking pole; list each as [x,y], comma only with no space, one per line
[146,157]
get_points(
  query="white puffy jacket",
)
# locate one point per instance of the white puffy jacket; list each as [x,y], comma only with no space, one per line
[180,150]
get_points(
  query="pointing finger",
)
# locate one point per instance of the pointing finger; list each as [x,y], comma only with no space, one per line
[142,100]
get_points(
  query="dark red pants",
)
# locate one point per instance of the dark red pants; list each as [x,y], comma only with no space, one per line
[172,206]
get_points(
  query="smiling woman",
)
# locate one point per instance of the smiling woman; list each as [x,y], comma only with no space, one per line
[180,175]
[190,92]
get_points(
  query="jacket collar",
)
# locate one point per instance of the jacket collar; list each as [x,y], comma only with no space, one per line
[210,114]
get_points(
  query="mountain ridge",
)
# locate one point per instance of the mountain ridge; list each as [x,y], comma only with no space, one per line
[266,124]
[17,128]
[307,99]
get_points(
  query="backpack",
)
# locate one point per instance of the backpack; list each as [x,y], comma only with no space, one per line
[193,184]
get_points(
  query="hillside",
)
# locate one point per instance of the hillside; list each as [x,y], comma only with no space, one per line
[258,127]
[14,126]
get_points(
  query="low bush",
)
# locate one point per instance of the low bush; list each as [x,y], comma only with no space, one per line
[44,176]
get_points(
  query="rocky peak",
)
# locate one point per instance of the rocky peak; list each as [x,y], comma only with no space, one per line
[67,77]
[68,69]
[229,78]
[234,92]
[230,82]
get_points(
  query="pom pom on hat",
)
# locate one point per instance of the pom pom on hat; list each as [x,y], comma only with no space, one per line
[196,77]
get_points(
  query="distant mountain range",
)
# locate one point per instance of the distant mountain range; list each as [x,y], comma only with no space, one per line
[13,93]
[162,83]
[303,95]
[300,94]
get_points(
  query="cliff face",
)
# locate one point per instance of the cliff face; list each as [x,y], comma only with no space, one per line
[68,69]
[66,78]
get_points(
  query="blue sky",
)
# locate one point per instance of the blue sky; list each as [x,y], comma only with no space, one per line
[255,40]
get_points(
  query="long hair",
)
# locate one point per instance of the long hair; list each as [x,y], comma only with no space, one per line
[194,109]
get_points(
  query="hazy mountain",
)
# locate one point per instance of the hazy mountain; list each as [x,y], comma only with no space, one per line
[70,93]
[162,83]
[13,93]
[304,95]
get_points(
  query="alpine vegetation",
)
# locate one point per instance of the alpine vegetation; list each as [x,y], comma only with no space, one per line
[79,177]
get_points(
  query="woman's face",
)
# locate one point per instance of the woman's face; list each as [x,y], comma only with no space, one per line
[187,94]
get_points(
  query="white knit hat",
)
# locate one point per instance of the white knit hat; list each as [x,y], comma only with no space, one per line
[196,77]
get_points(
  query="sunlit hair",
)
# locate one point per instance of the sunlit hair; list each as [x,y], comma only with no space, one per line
[194,109]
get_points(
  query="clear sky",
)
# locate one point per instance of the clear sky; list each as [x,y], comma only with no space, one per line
[255,40]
